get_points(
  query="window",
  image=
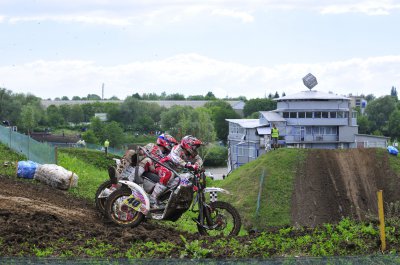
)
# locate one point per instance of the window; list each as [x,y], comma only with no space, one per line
[293,115]
[325,114]
[332,114]
[302,115]
[309,115]
[309,130]
[240,151]
[286,115]
[295,130]
[354,114]
[317,114]
[340,114]
[252,152]
[315,130]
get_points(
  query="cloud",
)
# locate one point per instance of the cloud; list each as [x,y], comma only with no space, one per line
[76,18]
[123,13]
[193,74]
[365,7]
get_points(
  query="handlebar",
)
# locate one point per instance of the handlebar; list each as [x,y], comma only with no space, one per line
[157,161]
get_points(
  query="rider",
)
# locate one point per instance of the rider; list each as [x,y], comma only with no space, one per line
[182,156]
[163,146]
[161,149]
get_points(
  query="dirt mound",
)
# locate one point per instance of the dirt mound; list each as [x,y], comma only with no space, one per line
[342,183]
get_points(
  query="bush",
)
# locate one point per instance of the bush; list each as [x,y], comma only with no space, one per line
[215,156]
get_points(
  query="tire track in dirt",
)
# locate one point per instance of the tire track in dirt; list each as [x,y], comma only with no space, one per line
[333,184]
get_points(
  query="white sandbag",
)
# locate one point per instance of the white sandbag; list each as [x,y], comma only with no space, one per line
[56,176]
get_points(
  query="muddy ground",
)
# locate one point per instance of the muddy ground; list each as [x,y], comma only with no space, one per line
[342,183]
[35,213]
[330,184]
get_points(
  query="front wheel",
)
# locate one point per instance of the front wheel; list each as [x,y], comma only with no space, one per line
[119,212]
[222,219]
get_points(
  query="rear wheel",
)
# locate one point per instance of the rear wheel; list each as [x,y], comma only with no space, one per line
[119,211]
[101,202]
[222,220]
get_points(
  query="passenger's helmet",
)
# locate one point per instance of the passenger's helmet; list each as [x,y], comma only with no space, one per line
[166,141]
[190,144]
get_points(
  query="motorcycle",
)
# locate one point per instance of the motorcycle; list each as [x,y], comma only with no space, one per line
[108,186]
[129,205]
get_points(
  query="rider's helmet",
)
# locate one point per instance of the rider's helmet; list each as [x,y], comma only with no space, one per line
[190,144]
[166,141]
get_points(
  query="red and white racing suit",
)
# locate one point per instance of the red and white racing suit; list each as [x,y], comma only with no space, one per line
[177,159]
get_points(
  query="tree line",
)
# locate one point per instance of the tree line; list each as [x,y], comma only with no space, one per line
[136,116]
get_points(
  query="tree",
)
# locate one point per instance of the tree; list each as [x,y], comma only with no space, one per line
[76,98]
[93,97]
[276,95]
[175,96]
[114,98]
[363,124]
[53,116]
[196,97]
[184,120]
[258,104]
[378,112]
[369,97]
[137,96]
[30,116]
[76,114]
[210,96]
[114,133]
[97,127]
[90,137]
[64,98]
[220,111]
[393,92]
[394,125]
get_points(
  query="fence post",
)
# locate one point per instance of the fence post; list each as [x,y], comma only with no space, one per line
[9,144]
[56,155]
[381,221]
[28,147]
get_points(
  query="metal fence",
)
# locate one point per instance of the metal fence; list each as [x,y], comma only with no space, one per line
[41,153]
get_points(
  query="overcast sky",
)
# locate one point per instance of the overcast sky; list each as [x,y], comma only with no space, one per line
[55,48]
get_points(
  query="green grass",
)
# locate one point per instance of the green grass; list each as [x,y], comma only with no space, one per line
[8,161]
[278,168]
[90,175]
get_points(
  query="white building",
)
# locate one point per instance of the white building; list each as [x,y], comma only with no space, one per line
[309,119]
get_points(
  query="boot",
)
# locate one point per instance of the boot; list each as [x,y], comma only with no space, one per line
[113,175]
[158,189]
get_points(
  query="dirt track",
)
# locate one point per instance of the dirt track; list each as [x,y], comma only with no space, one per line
[337,183]
[35,213]
[331,184]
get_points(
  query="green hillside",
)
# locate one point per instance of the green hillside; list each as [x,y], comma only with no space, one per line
[278,168]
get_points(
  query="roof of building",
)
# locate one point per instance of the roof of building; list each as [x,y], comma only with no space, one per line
[246,123]
[272,116]
[312,94]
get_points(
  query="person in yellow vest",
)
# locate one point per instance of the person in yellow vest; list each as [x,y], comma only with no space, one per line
[275,136]
[106,145]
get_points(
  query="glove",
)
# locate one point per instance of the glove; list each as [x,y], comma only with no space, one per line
[191,166]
